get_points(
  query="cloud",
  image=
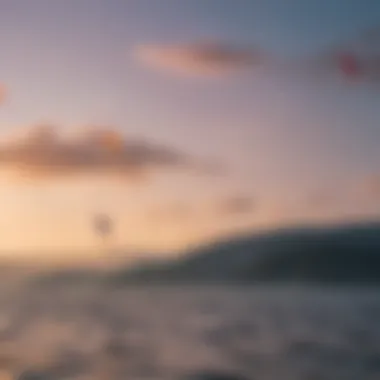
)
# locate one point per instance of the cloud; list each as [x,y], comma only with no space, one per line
[43,152]
[198,58]
[236,205]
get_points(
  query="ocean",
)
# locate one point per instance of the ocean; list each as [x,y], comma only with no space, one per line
[88,331]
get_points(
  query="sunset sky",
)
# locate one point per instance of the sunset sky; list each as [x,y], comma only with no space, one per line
[291,147]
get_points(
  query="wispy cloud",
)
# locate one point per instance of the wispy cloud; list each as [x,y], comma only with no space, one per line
[43,152]
[205,59]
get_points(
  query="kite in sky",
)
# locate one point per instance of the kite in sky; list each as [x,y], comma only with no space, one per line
[359,59]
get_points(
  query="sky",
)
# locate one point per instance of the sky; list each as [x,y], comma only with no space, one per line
[293,141]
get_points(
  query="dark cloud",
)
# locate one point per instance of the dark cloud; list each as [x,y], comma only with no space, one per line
[44,152]
[198,58]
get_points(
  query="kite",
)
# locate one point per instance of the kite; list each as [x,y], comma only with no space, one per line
[358,59]
[103,226]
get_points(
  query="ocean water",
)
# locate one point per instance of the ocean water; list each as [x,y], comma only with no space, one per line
[283,332]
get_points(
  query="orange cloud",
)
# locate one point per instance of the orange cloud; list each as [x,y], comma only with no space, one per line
[43,152]
[197,58]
